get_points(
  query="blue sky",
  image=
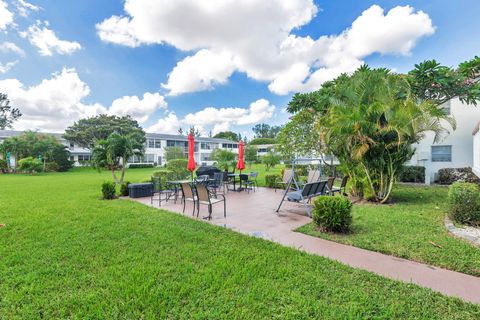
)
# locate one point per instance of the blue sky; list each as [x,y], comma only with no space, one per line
[106,62]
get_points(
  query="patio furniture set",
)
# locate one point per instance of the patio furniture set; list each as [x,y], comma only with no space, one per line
[203,190]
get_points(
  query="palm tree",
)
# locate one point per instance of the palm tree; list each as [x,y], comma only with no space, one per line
[113,153]
[372,123]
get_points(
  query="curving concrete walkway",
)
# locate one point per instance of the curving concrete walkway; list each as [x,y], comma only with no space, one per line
[254,214]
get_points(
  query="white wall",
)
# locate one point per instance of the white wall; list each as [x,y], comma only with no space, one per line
[476,153]
[461,141]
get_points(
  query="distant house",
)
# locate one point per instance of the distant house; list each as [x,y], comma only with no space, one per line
[154,148]
[456,150]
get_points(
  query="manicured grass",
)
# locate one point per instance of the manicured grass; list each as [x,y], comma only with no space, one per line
[64,253]
[411,228]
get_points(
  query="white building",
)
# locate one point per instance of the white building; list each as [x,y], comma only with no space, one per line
[154,147]
[455,150]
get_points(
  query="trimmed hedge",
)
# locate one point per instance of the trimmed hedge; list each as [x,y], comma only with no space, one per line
[258,141]
[464,201]
[332,213]
[412,174]
[141,165]
[450,175]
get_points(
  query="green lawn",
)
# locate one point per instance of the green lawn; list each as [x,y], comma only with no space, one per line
[411,228]
[66,254]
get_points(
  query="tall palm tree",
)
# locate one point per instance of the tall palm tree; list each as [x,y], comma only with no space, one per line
[372,123]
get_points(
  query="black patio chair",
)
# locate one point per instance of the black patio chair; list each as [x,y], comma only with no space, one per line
[158,189]
[218,184]
[204,197]
[342,188]
[330,186]
[243,177]
[188,194]
[252,180]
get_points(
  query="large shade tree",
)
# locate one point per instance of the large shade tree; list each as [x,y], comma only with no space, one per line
[86,132]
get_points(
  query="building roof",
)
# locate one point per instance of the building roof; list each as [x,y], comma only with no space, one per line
[163,136]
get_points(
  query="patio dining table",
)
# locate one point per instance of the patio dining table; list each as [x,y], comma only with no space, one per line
[234,177]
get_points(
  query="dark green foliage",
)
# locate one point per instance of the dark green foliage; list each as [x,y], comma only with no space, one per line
[263,130]
[61,156]
[30,165]
[124,189]
[140,165]
[332,213]
[178,167]
[271,180]
[3,165]
[464,201]
[228,135]
[86,132]
[51,167]
[258,141]
[433,82]
[450,175]
[8,115]
[108,190]
[412,174]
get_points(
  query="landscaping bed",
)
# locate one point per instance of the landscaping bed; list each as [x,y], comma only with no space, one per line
[412,227]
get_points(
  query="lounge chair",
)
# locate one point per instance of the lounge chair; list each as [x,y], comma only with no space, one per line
[204,197]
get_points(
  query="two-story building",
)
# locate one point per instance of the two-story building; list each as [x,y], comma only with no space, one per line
[154,148]
[456,149]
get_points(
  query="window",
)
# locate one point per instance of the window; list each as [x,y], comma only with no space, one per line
[158,144]
[71,145]
[262,150]
[151,143]
[84,157]
[441,153]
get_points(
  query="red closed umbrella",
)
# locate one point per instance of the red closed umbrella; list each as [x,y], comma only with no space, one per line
[241,151]
[191,165]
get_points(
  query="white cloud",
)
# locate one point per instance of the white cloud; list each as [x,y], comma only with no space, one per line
[7,46]
[24,7]
[199,72]
[6,16]
[255,37]
[139,109]
[216,119]
[55,103]
[47,41]
[222,118]
[170,124]
[4,68]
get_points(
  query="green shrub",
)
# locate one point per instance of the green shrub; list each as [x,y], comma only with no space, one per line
[450,175]
[140,165]
[178,167]
[124,189]
[30,164]
[108,190]
[464,201]
[164,175]
[258,141]
[272,179]
[412,174]
[3,165]
[51,167]
[332,213]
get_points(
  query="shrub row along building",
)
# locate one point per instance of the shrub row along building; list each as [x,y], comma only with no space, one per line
[154,148]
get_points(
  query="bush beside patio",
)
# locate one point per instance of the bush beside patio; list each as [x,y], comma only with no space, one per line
[67,254]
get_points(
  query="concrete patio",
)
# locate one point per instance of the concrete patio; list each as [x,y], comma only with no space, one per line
[254,214]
